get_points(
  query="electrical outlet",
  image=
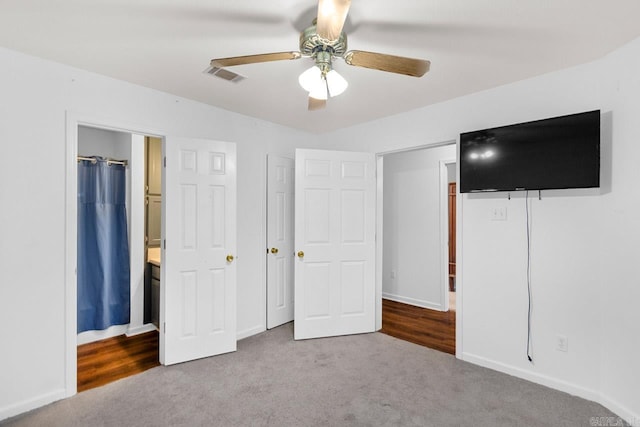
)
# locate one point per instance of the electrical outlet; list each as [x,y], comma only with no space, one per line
[562,343]
[498,213]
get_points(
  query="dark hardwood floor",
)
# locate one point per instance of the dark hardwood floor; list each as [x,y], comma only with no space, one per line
[430,328]
[105,361]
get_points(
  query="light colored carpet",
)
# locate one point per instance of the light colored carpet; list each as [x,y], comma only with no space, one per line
[361,380]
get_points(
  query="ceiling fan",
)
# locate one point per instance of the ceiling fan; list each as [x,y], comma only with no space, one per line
[324,41]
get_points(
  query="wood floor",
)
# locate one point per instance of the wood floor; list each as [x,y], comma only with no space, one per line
[430,328]
[105,361]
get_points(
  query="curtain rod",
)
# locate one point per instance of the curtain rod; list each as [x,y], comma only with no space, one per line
[109,161]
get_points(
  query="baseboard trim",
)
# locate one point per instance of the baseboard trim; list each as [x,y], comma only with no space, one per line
[141,329]
[28,405]
[87,337]
[621,410]
[412,301]
[545,380]
[249,332]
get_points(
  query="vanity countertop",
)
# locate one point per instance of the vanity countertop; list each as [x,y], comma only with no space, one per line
[153,256]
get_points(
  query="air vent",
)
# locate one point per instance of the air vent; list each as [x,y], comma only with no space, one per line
[224,74]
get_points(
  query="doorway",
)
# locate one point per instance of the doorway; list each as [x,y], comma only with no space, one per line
[198,169]
[104,131]
[132,339]
[418,231]
[333,202]
[443,171]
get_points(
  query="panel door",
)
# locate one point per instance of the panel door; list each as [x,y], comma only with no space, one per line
[280,193]
[198,293]
[335,243]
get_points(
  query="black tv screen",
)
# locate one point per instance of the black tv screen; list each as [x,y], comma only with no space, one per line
[556,153]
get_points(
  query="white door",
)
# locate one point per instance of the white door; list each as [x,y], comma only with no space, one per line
[334,243]
[198,293]
[280,178]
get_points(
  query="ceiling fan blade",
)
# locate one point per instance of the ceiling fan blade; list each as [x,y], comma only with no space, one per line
[254,59]
[331,17]
[316,104]
[390,63]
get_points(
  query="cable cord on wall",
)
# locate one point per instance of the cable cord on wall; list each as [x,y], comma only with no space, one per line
[526,204]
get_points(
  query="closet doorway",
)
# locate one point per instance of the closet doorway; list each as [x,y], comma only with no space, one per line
[118,311]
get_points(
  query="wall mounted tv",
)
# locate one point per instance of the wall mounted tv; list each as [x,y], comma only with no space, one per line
[556,153]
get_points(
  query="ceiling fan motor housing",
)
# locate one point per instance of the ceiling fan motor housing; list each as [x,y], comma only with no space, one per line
[311,44]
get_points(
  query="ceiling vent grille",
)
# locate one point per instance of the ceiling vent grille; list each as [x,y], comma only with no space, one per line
[224,74]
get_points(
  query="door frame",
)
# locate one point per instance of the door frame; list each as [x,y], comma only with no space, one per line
[268,240]
[73,121]
[444,228]
[380,243]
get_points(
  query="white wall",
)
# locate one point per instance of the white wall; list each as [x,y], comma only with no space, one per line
[451,172]
[413,254]
[584,245]
[584,242]
[105,143]
[619,294]
[36,96]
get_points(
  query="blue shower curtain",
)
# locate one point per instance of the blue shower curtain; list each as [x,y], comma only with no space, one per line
[103,247]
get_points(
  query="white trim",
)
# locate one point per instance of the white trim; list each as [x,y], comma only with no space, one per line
[444,231]
[250,332]
[141,330]
[73,121]
[265,238]
[622,411]
[544,380]
[418,147]
[412,301]
[92,336]
[459,262]
[586,393]
[137,255]
[29,404]
[71,255]
[379,238]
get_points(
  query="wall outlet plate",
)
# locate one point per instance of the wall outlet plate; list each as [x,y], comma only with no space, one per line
[498,213]
[562,343]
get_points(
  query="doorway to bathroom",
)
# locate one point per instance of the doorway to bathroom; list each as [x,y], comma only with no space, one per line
[119,264]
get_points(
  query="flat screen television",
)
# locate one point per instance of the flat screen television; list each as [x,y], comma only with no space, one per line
[561,152]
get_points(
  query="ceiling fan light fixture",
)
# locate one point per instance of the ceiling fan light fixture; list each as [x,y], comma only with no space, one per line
[310,78]
[336,83]
[325,41]
[318,85]
[320,89]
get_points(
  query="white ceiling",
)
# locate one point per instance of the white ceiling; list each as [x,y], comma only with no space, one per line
[167,44]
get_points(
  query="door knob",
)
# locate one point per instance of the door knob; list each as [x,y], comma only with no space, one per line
[274,250]
[229,258]
[300,254]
